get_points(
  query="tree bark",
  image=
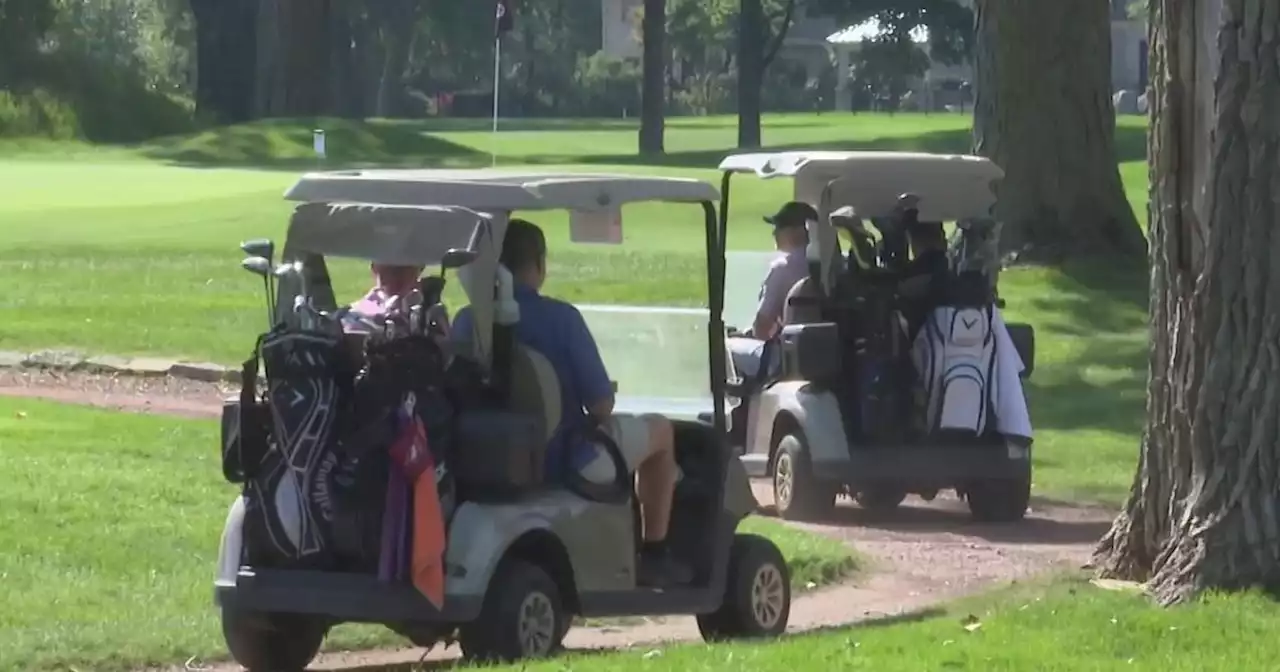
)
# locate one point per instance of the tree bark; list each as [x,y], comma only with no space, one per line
[296,81]
[1204,510]
[653,93]
[751,32]
[226,52]
[1044,113]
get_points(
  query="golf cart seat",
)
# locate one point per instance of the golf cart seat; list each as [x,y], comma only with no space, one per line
[535,390]
[802,306]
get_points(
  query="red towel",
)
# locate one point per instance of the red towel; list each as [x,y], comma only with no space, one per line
[412,452]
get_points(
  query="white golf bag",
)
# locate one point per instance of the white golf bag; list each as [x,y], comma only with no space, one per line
[955,357]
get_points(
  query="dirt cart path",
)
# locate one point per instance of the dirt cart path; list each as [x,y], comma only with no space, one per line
[921,555]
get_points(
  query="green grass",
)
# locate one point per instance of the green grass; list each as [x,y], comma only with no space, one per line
[111,523]
[132,250]
[1067,626]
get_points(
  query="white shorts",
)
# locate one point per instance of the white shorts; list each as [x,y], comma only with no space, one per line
[631,433]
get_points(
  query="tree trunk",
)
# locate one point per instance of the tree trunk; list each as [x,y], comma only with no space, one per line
[750,72]
[1044,113]
[653,94]
[296,82]
[1203,510]
[225,58]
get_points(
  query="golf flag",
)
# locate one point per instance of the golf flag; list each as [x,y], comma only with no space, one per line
[503,21]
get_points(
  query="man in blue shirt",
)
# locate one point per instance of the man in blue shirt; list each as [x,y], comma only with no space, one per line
[557,330]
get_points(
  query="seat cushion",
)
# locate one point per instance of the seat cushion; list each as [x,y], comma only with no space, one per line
[535,388]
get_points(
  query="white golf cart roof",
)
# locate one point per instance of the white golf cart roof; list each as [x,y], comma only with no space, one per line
[950,186]
[496,190]
[413,217]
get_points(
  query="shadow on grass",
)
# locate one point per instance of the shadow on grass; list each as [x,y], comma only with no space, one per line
[934,519]
[287,144]
[1103,386]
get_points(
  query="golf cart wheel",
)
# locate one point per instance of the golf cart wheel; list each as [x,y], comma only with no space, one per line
[271,643]
[757,593]
[999,500]
[522,617]
[880,498]
[797,492]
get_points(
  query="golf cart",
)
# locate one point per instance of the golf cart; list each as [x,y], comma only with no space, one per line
[523,552]
[887,383]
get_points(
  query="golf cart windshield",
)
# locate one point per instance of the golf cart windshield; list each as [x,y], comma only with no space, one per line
[658,356]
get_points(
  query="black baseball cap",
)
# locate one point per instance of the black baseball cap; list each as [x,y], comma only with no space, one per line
[793,213]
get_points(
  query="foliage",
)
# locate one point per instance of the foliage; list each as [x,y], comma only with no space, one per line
[885,65]
[37,113]
[606,86]
[22,24]
[950,24]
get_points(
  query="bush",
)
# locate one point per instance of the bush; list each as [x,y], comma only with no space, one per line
[37,113]
[65,95]
[706,94]
[606,87]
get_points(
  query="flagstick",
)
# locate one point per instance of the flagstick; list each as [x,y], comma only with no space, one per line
[497,72]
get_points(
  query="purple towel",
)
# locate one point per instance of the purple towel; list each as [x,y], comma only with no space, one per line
[390,559]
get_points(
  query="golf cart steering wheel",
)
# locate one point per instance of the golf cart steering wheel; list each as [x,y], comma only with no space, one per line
[617,492]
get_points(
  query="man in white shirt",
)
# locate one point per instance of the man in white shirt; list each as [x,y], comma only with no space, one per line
[788,268]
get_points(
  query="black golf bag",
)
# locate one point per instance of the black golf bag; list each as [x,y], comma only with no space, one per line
[394,369]
[288,500]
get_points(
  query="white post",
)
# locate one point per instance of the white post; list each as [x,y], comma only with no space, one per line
[497,73]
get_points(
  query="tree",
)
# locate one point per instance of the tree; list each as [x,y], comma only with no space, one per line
[762,28]
[22,24]
[295,58]
[1043,112]
[226,55]
[1201,513]
[653,98]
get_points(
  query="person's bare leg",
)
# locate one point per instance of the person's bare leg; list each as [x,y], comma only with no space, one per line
[656,478]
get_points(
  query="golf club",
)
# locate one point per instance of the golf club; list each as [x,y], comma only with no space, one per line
[265,248]
[262,267]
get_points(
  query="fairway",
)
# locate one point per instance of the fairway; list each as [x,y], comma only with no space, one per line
[133,250]
[111,524]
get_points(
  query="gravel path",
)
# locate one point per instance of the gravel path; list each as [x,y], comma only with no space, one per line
[922,555]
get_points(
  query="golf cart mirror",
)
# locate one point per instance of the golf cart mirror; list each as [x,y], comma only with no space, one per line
[257,265]
[596,226]
[908,202]
[259,247]
[457,258]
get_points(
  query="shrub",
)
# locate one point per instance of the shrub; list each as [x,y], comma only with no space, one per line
[37,113]
[605,86]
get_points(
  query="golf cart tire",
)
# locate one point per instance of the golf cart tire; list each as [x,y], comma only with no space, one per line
[516,588]
[1002,500]
[880,498]
[271,643]
[757,593]
[807,498]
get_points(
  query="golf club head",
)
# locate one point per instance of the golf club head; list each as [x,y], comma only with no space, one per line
[259,247]
[457,258]
[257,265]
